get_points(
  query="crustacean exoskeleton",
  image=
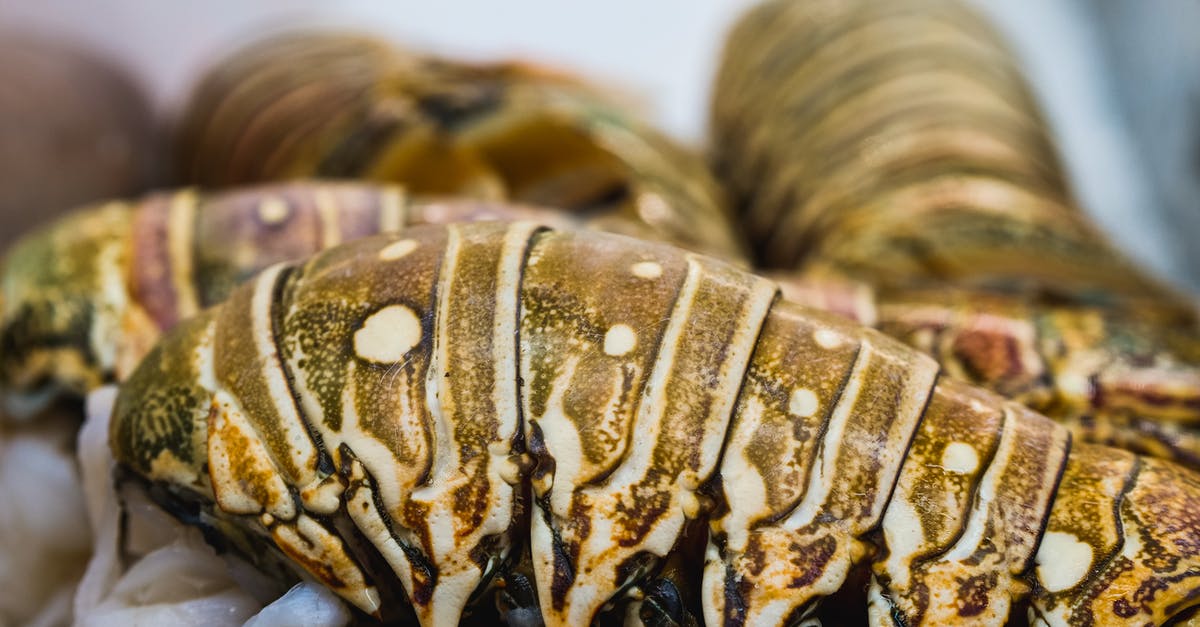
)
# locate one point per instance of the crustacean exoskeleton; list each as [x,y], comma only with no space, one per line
[426,422]
[349,106]
[895,145]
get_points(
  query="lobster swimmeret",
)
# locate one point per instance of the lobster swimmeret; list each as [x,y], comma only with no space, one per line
[431,419]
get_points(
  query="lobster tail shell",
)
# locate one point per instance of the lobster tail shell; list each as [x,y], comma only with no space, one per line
[445,414]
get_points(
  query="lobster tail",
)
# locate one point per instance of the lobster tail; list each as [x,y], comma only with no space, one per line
[339,105]
[557,420]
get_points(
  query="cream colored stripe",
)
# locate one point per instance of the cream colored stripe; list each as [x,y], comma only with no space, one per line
[824,470]
[360,504]
[985,495]
[647,425]
[329,214]
[392,213]
[757,301]
[181,233]
[445,448]
[301,449]
[112,268]
[507,325]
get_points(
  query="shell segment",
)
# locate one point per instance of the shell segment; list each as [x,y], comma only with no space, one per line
[63,302]
[1120,545]
[623,438]
[801,491]
[958,535]
[423,429]
[86,298]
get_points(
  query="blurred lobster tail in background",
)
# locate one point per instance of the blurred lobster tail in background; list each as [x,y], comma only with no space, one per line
[898,142]
[1124,378]
[339,105]
[894,147]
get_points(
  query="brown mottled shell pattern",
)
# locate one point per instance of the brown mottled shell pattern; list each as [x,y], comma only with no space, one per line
[894,147]
[503,417]
[420,420]
[85,298]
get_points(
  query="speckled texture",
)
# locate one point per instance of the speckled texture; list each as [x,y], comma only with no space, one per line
[552,425]
[85,298]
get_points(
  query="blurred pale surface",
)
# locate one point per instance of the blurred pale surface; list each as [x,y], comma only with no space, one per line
[73,129]
[1139,180]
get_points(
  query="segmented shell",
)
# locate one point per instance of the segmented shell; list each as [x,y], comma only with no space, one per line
[897,141]
[894,144]
[86,297]
[341,105]
[436,416]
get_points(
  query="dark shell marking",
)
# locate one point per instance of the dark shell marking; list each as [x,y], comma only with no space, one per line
[441,414]
[85,298]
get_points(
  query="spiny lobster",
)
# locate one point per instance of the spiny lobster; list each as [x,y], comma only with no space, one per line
[897,142]
[427,422]
[84,300]
[1122,377]
[924,162]
[345,106]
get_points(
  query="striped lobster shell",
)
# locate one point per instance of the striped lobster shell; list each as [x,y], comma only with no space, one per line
[346,106]
[901,161]
[428,422]
[85,298]
[897,142]
[1118,376]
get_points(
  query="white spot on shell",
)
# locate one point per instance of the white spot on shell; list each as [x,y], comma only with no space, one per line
[960,457]
[510,469]
[803,402]
[396,250]
[647,270]
[1062,561]
[827,338]
[272,211]
[388,335]
[619,340]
